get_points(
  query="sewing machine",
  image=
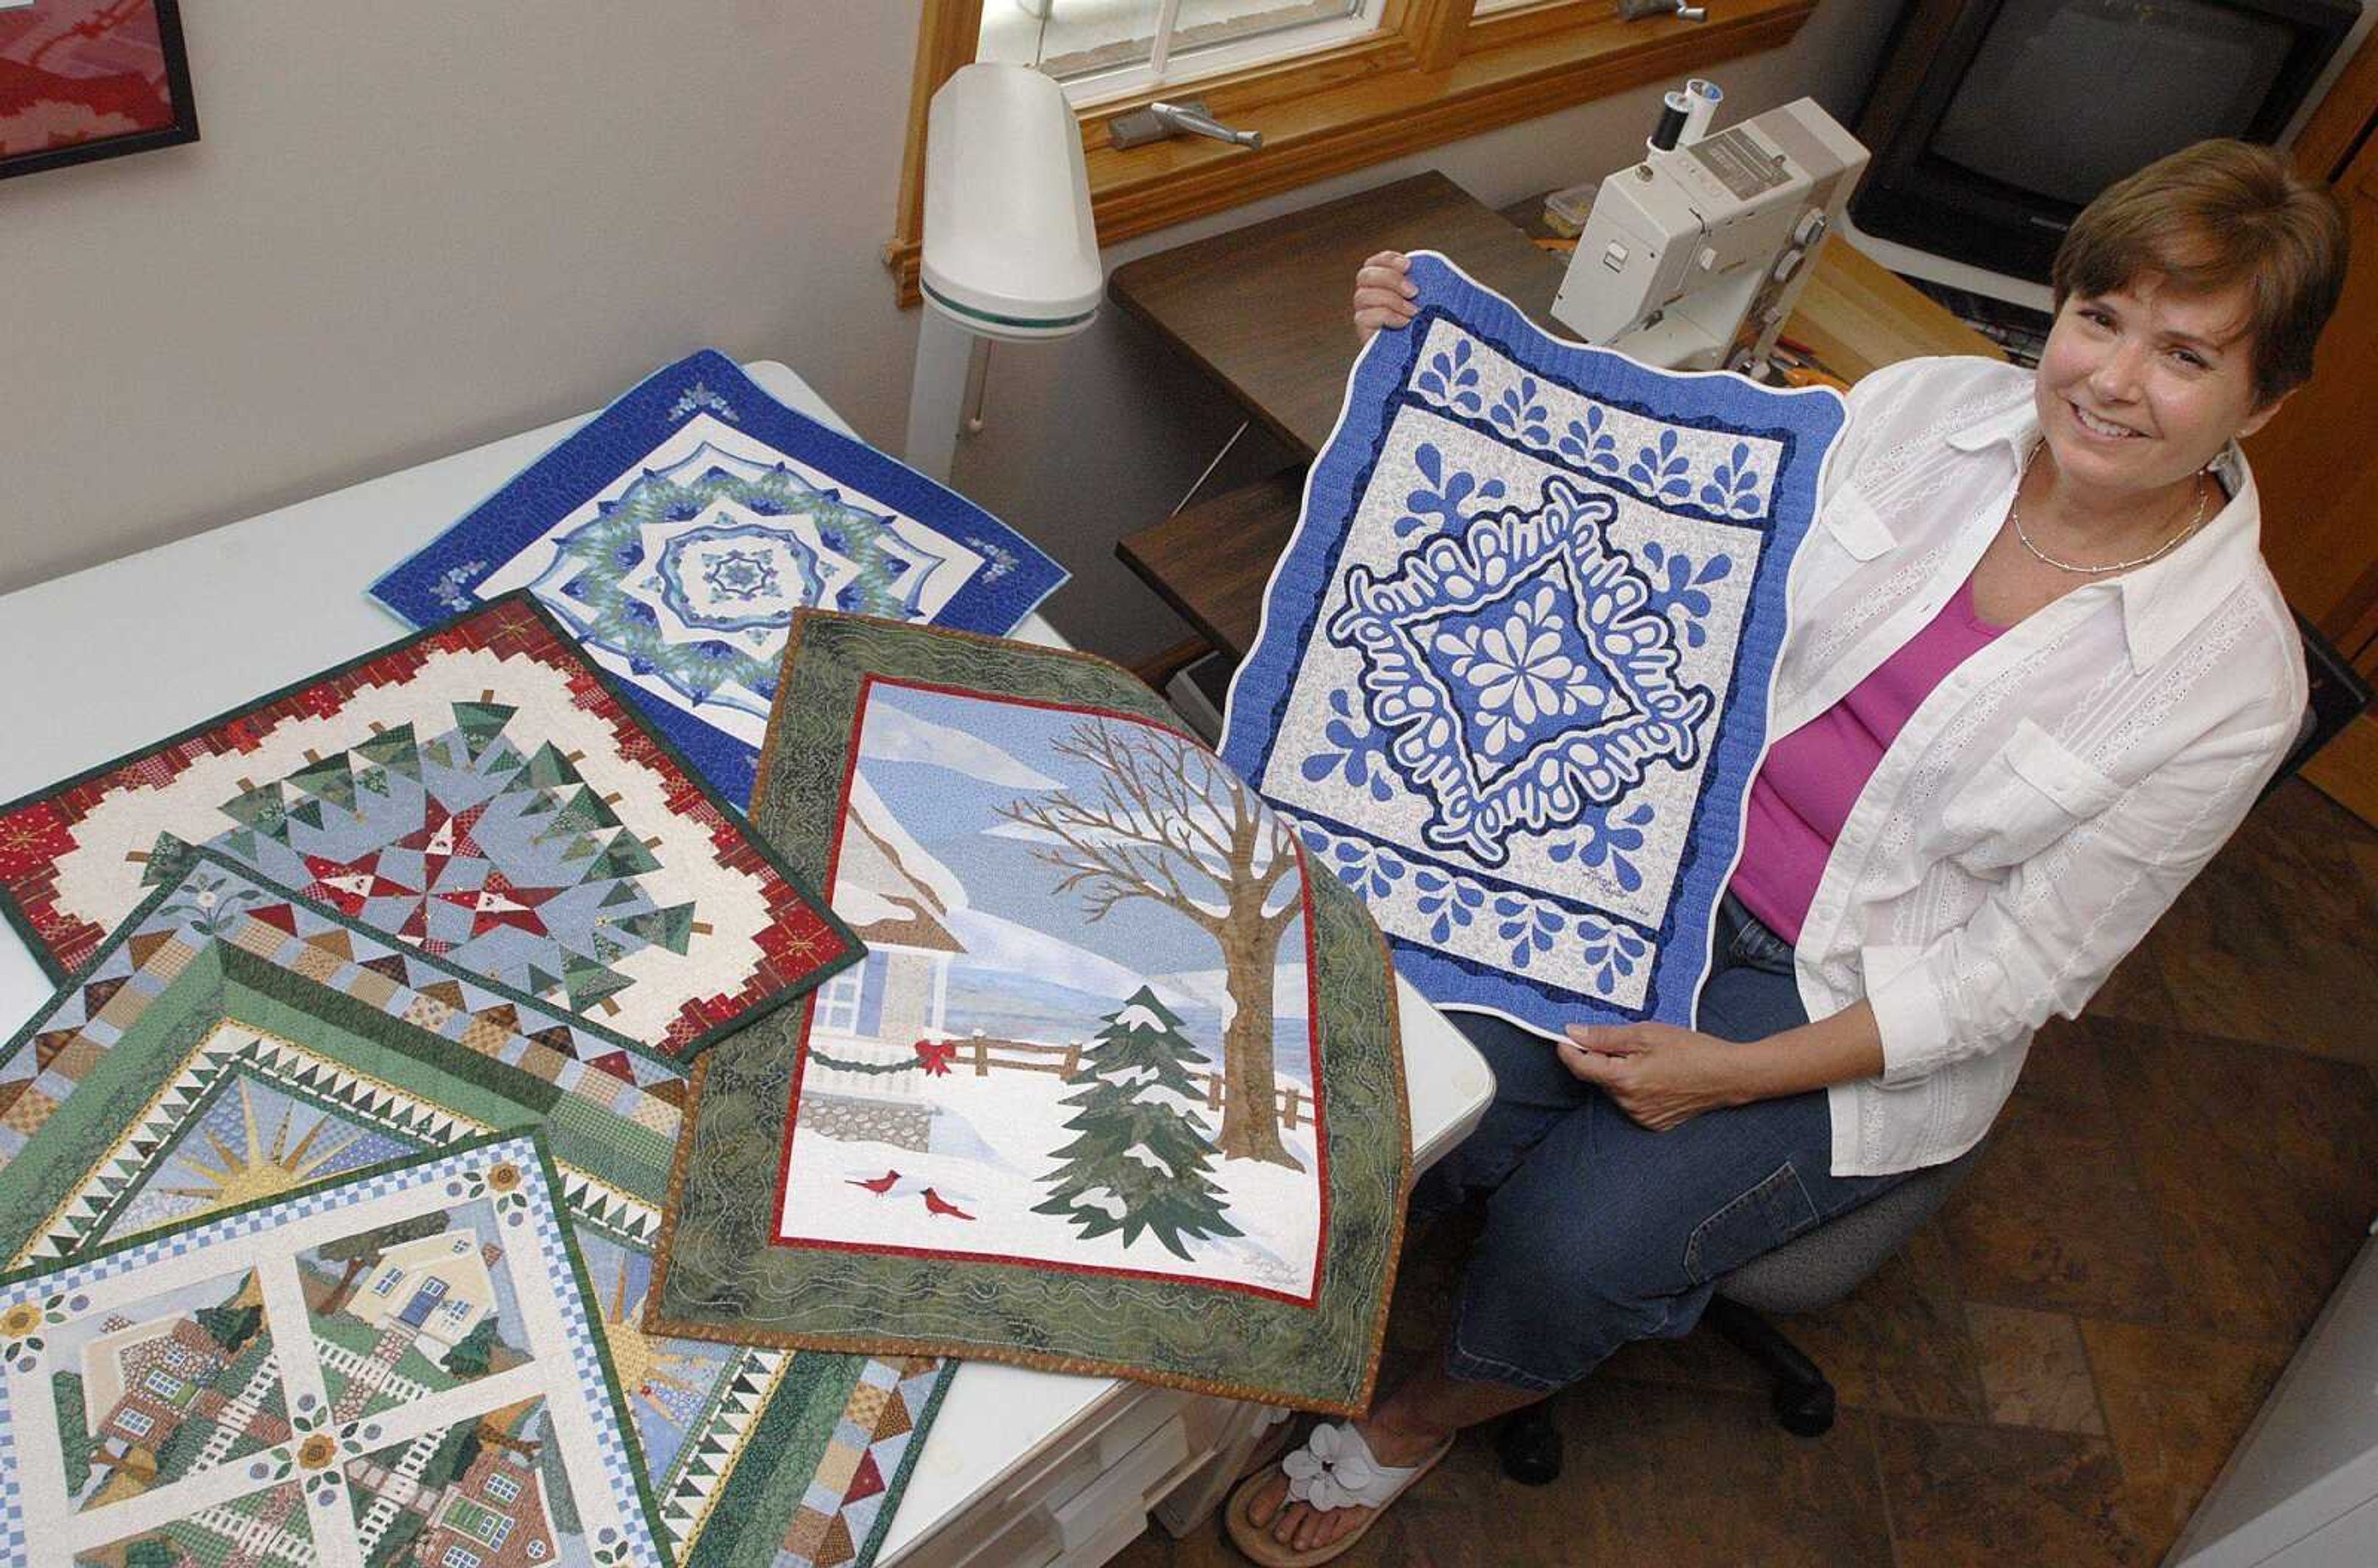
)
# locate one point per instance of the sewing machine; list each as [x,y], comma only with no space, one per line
[1691,259]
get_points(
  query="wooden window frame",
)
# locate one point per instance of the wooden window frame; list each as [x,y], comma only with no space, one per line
[1430,76]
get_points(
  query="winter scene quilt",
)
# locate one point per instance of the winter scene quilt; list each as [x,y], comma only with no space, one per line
[403,1368]
[1512,677]
[479,791]
[260,1064]
[677,531]
[1118,1087]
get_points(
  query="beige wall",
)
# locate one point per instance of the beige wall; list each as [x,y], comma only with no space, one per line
[411,229]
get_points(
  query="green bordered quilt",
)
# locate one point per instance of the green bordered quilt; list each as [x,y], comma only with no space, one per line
[225,1047]
[1118,1087]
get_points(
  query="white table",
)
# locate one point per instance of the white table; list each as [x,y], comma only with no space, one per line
[1030,1467]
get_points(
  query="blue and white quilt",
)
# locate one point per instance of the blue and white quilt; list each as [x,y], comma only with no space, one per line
[1512,680]
[676,533]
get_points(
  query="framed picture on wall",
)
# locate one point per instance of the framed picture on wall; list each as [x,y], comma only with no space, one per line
[91,78]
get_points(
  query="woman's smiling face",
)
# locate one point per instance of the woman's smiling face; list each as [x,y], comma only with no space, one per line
[2140,387]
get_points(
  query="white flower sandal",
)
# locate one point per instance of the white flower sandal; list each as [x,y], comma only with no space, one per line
[1334,1470]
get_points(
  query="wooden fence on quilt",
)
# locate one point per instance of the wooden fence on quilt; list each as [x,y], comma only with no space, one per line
[1065,1060]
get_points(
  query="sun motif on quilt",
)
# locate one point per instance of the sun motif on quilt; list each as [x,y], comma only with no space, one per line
[690,575]
[501,859]
[1523,670]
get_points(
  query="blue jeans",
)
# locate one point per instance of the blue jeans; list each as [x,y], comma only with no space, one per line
[1599,1231]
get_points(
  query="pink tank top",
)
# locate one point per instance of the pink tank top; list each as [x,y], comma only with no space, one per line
[1813,776]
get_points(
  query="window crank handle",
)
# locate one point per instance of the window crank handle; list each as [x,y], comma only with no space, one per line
[1177,118]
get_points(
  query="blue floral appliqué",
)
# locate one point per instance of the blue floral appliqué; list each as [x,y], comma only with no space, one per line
[1608,837]
[1613,949]
[1682,589]
[1590,443]
[1451,902]
[1521,671]
[1451,378]
[1360,754]
[1450,497]
[1530,927]
[1370,870]
[1732,487]
[1661,469]
[1518,412]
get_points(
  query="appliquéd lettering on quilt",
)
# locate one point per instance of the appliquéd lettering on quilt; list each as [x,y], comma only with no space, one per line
[1511,683]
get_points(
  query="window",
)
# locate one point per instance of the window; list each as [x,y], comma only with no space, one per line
[459,1557]
[387,1281]
[472,1519]
[458,1310]
[536,1551]
[164,1385]
[1102,48]
[1395,77]
[503,1488]
[134,1422]
[837,1007]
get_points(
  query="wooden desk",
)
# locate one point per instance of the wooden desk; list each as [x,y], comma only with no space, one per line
[1263,310]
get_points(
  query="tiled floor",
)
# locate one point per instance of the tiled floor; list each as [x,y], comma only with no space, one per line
[2055,1370]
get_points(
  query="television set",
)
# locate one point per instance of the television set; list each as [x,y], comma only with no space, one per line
[1994,122]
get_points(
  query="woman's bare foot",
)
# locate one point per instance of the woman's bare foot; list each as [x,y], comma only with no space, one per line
[1300,1527]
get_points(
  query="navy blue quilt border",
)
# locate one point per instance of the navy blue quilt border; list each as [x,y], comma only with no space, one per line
[524,506]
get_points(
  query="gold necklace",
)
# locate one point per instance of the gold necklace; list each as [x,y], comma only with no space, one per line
[2014,515]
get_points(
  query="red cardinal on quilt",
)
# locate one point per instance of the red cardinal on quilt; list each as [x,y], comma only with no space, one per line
[935,1205]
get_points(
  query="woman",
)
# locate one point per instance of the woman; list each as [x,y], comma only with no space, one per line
[2037,675]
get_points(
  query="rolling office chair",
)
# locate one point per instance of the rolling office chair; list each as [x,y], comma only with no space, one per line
[1819,1267]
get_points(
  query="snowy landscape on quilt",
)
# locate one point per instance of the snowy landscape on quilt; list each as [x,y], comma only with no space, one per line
[678,531]
[1118,1087]
[1512,679]
[1063,985]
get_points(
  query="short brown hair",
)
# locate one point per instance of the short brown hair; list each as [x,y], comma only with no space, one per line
[2209,218]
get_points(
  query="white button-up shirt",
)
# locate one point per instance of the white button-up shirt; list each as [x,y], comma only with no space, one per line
[2048,801]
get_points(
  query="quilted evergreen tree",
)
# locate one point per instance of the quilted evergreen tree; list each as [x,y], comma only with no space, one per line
[1141,1159]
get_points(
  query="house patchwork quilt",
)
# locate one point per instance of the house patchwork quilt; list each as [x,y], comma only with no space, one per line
[1119,1088]
[1512,679]
[479,791]
[253,1062]
[676,533]
[401,1366]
